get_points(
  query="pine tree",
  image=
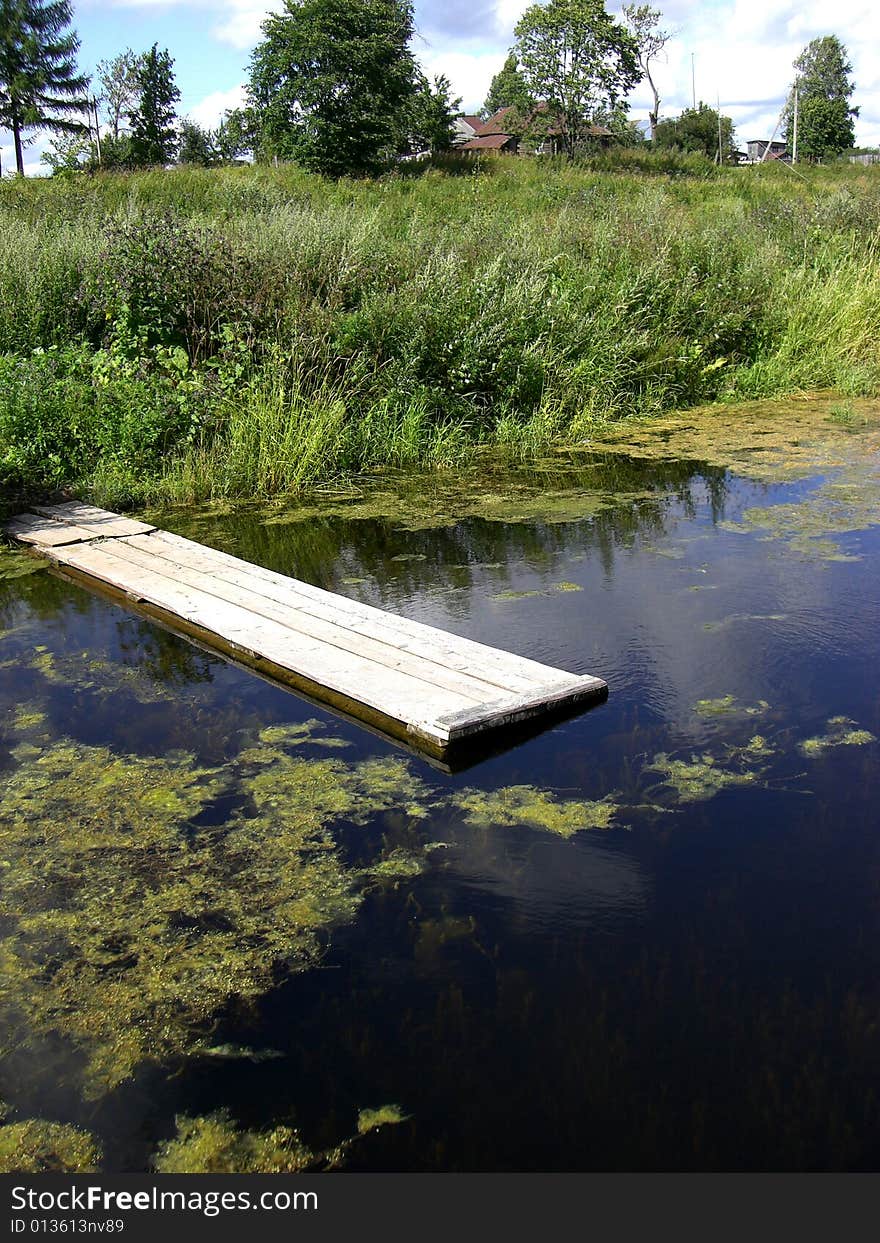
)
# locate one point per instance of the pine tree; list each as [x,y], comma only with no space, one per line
[40,87]
[153,129]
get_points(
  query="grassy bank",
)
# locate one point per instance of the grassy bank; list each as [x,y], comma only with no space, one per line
[238,332]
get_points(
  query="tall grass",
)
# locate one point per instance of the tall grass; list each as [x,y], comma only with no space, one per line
[247,331]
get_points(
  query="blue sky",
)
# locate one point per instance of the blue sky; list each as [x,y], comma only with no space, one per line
[742,51]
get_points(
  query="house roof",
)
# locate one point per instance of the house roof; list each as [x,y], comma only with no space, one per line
[486,142]
[509,120]
[498,123]
[475,122]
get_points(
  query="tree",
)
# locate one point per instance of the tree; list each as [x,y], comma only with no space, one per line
[119,87]
[577,60]
[197,145]
[696,131]
[643,24]
[332,84]
[237,134]
[152,120]
[40,87]
[433,116]
[825,128]
[824,86]
[508,89]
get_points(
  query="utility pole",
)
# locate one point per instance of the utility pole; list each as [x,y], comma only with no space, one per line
[794,127]
[97,130]
[720,142]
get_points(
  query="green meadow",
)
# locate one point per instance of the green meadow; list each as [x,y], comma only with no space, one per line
[192,334]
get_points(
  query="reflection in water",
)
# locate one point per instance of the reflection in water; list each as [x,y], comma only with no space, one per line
[645,938]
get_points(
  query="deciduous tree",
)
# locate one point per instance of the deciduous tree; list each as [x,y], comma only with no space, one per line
[578,60]
[333,82]
[696,131]
[40,86]
[824,86]
[643,23]
[119,87]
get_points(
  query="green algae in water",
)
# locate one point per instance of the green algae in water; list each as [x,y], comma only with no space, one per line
[213,1144]
[840,734]
[526,805]
[15,564]
[842,505]
[36,1146]
[769,441]
[297,735]
[524,595]
[150,924]
[699,779]
[729,705]
[385,1115]
[398,864]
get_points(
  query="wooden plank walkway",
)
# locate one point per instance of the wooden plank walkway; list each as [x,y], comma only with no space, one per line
[413,681]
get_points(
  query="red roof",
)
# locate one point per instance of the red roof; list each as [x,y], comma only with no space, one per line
[486,142]
[497,122]
[476,123]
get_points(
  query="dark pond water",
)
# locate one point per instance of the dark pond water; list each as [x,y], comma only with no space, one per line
[645,939]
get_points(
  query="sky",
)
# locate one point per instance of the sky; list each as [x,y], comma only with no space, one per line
[741,52]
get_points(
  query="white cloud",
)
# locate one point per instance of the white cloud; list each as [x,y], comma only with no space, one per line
[470,73]
[242,22]
[209,111]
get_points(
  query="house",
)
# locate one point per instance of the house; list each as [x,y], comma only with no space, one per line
[465,127]
[503,134]
[756,148]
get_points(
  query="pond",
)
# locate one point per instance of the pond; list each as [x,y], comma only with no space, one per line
[238,932]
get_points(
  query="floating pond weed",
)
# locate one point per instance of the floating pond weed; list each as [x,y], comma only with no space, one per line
[385,1115]
[699,779]
[151,924]
[526,805]
[729,705]
[841,733]
[213,1144]
[36,1146]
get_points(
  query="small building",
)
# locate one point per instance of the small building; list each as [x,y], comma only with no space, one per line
[758,146]
[465,127]
[504,133]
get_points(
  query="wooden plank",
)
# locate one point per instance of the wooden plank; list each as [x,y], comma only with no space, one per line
[380,652]
[45,532]
[411,700]
[501,669]
[95,521]
[399,673]
[515,708]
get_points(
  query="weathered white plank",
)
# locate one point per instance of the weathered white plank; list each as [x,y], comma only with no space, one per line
[501,669]
[397,695]
[568,688]
[45,532]
[96,521]
[379,652]
[441,687]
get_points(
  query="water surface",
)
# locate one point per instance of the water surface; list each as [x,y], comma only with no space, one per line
[645,939]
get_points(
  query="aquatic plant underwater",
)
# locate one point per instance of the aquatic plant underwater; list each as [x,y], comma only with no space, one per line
[135,912]
[155,899]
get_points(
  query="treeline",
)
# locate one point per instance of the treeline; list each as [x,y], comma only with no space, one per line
[333,85]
